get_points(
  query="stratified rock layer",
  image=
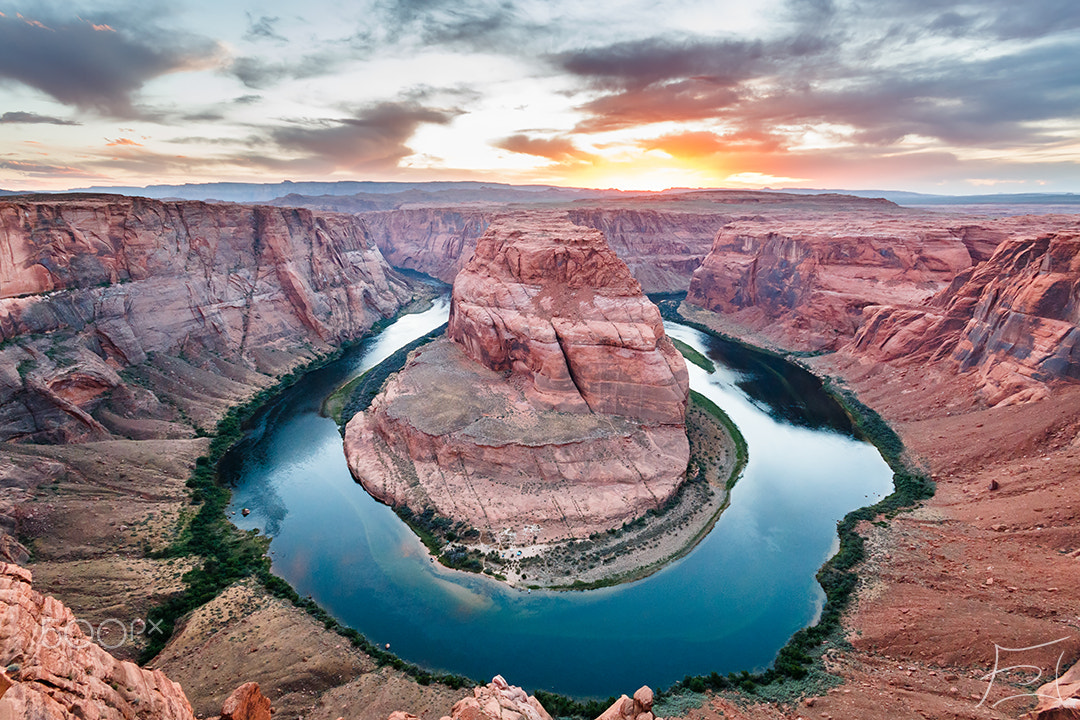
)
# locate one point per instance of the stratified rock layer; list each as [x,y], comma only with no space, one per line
[550,301]
[1013,320]
[56,672]
[91,285]
[803,283]
[556,410]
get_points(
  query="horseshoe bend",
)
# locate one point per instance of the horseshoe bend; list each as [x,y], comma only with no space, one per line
[554,409]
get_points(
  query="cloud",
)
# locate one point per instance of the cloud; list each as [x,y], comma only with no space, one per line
[559,149]
[262,28]
[859,68]
[371,140]
[29,118]
[484,25]
[40,170]
[93,66]
[122,141]
[639,63]
[256,73]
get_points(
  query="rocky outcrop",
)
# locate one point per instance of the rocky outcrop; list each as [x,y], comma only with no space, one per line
[1014,321]
[246,703]
[56,672]
[803,284]
[92,285]
[556,409]
[638,707]
[498,700]
[1059,699]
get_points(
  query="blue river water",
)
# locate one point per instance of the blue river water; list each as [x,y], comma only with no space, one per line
[728,605]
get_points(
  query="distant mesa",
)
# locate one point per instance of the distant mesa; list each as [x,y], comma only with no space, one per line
[554,408]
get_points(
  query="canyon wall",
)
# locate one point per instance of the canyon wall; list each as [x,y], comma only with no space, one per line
[54,671]
[804,283]
[996,297]
[661,248]
[1013,320]
[214,297]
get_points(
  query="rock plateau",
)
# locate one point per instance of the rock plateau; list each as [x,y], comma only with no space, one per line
[555,408]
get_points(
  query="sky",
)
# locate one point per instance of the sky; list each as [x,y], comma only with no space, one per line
[922,95]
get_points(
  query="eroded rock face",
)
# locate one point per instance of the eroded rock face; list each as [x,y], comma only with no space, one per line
[550,302]
[804,284]
[811,284]
[1014,320]
[62,674]
[1059,699]
[91,285]
[555,409]
[246,703]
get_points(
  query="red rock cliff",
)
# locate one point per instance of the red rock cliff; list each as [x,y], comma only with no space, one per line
[56,672]
[1014,320]
[550,301]
[90,285]
[803,284]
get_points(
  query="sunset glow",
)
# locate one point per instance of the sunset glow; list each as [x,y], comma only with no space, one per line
[891,94]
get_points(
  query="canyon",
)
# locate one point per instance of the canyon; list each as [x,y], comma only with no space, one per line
[554,409]
[130,325]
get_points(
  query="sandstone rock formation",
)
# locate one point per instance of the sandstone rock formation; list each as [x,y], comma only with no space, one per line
[804,284]
[551,302]
[1013,320]
[1059,699]
[246,703]
[638,707]
[56,672]
[557,408]
[498,700]
[91,285]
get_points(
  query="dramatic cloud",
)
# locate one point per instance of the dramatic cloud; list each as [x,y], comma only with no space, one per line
[641,63]
[374,139]
[29,118]
[851,74]
[477,24]
[92,66]
[558,149]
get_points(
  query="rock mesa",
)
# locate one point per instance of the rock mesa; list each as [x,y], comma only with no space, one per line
[555,408]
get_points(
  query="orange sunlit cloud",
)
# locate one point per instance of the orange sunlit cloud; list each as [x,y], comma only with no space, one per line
[122,141]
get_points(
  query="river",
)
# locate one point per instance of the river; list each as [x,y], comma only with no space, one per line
[728,605]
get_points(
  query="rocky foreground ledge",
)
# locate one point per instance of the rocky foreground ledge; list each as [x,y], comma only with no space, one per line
[556,409]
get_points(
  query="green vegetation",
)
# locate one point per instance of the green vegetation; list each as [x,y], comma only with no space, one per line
[362,390]
[741,448]
[694,356]
[560,706]
[25,367]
